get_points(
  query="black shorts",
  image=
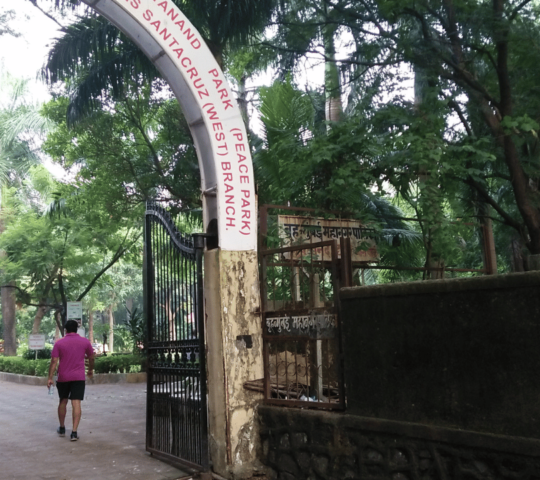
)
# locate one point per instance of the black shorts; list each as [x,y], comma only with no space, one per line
[72,390]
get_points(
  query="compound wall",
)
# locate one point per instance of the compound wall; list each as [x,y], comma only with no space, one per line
[461,353]
[442,382]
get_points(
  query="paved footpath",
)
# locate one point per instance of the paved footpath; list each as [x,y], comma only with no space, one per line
[112,436]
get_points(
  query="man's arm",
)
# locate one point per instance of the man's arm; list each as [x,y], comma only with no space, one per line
[90,366]
[52,369]
[90,357]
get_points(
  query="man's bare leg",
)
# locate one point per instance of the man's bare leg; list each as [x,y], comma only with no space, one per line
[76,407]
[62,408]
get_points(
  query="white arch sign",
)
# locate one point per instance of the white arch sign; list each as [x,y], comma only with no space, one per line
[178,51]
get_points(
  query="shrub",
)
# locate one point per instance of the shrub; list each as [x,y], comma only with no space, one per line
[23,366]
[41,354]
[118,364]
[40,368]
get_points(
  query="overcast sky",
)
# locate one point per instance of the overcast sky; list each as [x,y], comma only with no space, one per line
[25,55]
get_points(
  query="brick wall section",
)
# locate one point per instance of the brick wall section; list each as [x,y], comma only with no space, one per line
[461,353]
[313,445]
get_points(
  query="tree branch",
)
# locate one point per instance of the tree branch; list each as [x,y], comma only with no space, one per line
[62,28]
[26,293]
[456,107]
[489,199]
[516,10]
[135,119]
[117,256]
[329,59]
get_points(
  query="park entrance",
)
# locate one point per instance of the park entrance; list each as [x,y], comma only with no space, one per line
[176,427]
[180,427]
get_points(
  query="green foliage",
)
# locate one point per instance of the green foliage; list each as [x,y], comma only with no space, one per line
[118,364]
[40,368]
[141,149]
[21,366]
[437,159]
[41,354]
[301,161]
[136,326]
[39,250]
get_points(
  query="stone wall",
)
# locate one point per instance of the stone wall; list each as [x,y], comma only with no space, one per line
[314,445]
[96,379]
[461,353]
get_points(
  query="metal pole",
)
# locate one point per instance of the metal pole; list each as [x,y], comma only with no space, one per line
[199,251]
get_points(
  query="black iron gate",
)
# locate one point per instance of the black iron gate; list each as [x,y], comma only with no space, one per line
[176,425]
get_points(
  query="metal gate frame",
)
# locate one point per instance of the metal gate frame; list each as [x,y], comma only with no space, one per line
[177,411]
[320,325]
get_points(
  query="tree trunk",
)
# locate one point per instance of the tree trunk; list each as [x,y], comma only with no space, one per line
[332,84]
[488,242]
[40,313]
[8,315]
[91,325]
[525,197]
[424,98]
[517,260]
[129,305]
[111,329]
[58,317]
[7,295]
[242,100]
[438,269]
[56,331]
[523,194]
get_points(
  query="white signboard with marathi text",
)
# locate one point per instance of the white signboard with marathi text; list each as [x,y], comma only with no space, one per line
[298,230]
[36,342]
[74,312]
[219,113]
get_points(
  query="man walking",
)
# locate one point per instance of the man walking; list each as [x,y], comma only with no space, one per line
[71,352]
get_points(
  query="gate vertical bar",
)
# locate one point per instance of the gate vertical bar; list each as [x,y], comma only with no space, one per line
[148,287]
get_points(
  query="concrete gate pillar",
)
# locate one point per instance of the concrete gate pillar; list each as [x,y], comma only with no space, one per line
[234,340]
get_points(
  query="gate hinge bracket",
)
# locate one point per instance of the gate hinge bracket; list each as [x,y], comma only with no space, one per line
[211,192]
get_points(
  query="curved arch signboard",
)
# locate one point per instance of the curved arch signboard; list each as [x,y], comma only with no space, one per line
[179,52]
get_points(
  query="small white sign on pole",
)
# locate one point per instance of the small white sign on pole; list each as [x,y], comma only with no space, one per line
[36,342]
[81,331]
[74,312]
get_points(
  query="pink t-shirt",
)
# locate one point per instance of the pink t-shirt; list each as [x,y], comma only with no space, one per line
[71,351]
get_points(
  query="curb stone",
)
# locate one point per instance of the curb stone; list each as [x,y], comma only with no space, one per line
[97,379]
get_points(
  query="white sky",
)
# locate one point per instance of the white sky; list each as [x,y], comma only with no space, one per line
[25,55]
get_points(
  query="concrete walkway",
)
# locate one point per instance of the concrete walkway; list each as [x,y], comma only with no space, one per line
[112,436]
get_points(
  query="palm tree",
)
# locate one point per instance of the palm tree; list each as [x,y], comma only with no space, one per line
[93,56]
[307,26]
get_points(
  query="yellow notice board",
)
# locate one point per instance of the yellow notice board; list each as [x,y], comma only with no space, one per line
[298,230]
